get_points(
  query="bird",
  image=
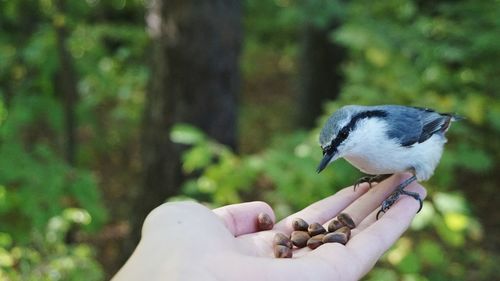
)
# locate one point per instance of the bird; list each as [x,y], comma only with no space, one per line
[383,140]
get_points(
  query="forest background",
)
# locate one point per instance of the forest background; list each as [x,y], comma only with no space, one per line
[109,108]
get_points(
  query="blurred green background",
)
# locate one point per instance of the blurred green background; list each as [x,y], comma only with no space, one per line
[110,107]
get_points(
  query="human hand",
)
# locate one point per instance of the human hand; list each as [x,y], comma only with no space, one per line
[187,241]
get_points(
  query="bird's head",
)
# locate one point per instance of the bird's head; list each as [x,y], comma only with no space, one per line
[333,136]
[337,137]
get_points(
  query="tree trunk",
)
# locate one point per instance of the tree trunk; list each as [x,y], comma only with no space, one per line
[320,72]
[195,79]
[66,84]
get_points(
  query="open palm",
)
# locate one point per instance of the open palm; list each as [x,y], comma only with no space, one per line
[187,241]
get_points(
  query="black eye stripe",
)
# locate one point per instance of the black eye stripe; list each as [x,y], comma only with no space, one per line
[328,150]
[344,132]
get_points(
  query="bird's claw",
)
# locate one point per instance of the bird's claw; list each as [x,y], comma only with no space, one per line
[380,212]
[362,180]
[370,180]
[387,203]
[420,202]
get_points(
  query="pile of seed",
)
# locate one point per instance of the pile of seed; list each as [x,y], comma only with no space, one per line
[313,235]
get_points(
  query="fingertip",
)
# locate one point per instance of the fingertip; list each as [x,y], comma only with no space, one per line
[412,202]
[421,190]
[241,218]
[265,208]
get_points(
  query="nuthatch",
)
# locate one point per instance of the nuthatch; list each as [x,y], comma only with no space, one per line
[386,139]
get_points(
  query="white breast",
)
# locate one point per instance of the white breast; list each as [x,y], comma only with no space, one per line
[369,150]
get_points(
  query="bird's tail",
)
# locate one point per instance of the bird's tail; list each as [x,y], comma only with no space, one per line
[454,117]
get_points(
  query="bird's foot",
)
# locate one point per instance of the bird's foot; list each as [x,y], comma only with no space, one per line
[400,190]
[370,180]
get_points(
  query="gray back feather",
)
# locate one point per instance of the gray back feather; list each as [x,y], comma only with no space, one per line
[410,125]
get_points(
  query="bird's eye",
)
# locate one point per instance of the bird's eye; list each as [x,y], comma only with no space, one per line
[343,134]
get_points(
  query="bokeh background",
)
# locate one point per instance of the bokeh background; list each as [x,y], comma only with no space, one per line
[110,107]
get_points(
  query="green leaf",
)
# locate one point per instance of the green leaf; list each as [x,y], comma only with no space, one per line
[186,134]
[6,259]
[197,157]
[5,240]
[431,253]
[410,264]
[450,202]
[452,238]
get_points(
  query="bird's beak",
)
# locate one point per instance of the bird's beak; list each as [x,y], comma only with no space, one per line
[324,162]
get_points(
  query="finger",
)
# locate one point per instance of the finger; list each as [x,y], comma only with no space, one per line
[325,209]
[359,255]
[372,199]
[242,218]
[372,217]
[369,245]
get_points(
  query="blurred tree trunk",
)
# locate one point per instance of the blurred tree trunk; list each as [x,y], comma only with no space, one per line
[195,79]
[320,71]
[66,84]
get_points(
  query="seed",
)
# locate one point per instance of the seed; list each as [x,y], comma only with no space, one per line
[299,224]
[315,229]
[281,251]
[345,230]
[283,240]
[264,222]
[315,241]
[335,237]
[299,238]
[334,225]
[346,220]
[341,236]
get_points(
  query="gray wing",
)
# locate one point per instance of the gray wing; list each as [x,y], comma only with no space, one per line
[410,125]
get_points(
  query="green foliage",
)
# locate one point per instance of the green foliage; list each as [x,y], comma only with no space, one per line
[48,256]
[39,184]
[39,191]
